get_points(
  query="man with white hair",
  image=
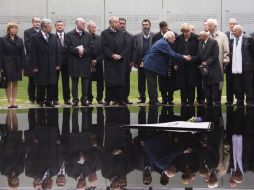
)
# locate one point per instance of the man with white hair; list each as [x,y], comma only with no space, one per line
[114,49]
[243,66]
[96,65]
[222,40]
[79,44]
[45,59]
[227,68]
[156,63]
[208,55]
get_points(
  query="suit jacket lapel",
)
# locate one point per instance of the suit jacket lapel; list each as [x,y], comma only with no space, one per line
[44,42]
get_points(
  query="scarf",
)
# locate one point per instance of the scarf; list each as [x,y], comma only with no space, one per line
[237,56]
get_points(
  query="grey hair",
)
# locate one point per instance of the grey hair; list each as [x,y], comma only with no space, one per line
[79,19]
[203,33]
[212,21]
[112,18]
[90,23]
[238,27]
[45,22]
[168,35]
[232,20]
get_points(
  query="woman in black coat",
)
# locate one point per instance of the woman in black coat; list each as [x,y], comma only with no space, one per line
[187,71]
[12,58]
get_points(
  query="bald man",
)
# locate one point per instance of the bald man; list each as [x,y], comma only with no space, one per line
[156,63]
[114,48]
[80,47]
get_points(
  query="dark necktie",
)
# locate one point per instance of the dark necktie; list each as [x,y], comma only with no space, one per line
[61,39]
[236,42]
[47,37]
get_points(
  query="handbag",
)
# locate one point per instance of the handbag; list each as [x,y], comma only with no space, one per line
[3,80]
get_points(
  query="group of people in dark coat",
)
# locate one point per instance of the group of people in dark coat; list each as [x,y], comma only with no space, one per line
[184,62]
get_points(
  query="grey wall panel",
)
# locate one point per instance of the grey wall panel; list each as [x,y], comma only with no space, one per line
[173,11]
[135,11]
[20,11]
[194,12]
[242,10]
[68,11]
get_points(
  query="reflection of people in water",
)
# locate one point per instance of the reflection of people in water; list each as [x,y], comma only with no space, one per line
[162,154]
[13,150]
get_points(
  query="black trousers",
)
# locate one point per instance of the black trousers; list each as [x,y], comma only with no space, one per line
[152,86]
[142,83]
[65,84]
[200,89]
[230,87]
[99,88]
[114,93]
[126,90]
[212,94]
[84,89]
[243,85]
[166,87]
[187,95]
[45,93]
[31,88]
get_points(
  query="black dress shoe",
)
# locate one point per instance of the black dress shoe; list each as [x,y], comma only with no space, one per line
[106,103]
[154,103]
[84,104]
[114,103]
[49,104]
[171,103]
[239,103]
[99,102]
[40,104]
[14,106]
[228,103]
[122,104]
[128,102]
[55,103]
[67,103]
[141,102]
[75,104]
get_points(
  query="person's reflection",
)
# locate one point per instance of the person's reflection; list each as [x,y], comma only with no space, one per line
[42,158]
[237,129]
[13,150]
[82,149]
[188,164]
[118,148]
[163,154]
[210,143]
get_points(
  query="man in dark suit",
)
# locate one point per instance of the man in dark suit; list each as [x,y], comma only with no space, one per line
[208,56]
[243,66]
[59,25]
[28,66]
[141,43]
[127,60]
[96,66]
[80,50]
[45,58]
[114,49]
[228,68]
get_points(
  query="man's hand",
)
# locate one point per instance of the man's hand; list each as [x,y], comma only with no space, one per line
[203,63]
[93,62]
[176,67]
[57,68]
[187,151]
[35,70]
[187,57]
[116,57]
